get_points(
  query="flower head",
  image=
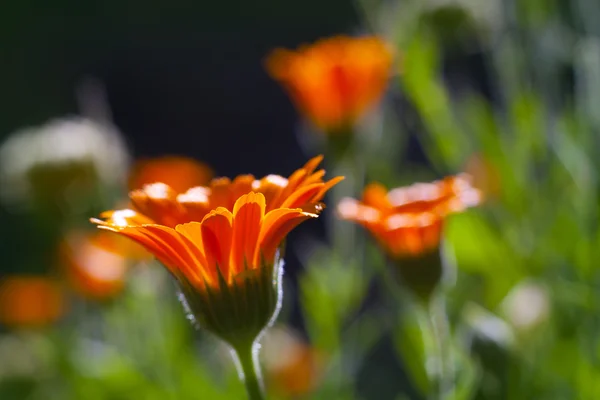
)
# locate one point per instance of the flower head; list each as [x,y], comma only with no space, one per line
[30,301]
[224,255]
[408,221]
[161,204]
[179,173]
[96,264]
[334,81]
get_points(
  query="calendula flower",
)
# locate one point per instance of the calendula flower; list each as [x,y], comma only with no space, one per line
[179,173]
[222,244]
[408,222]
[334,81]
[160,203]
[96,264]
[30,301]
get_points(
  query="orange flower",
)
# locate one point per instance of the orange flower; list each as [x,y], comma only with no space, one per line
[180,173]
[293,368]
[160,204]
[30,301]
[334,81]
[96,264]
[226,260]
[408,221]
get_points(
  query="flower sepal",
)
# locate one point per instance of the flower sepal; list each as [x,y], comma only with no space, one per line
[421,274]
[240,311]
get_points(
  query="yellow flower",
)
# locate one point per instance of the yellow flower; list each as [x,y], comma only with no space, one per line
[30,301]
[334,81]
[225,256]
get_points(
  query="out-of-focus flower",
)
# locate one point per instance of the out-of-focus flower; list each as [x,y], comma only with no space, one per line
[226,260]
[292,367]
[96,264]
[527,306]
[161,204]
[408,222]
[484,175]
[334,81]
[60,161]
[179,173]
[30,301]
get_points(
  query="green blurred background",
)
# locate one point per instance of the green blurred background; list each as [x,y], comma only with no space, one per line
[506,90]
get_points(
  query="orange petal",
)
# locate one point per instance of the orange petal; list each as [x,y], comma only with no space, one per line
[312,164]
[353,210]
[241,185]
[375,195]
[276,225]
[220,193]
[247,215]
[180,173]
[328,185]
[184,254]
[196,203]
[271,186]
[216,239]
[302,195]
[122,218]
[159,202]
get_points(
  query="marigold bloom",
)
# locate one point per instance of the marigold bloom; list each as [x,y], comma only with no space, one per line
[408,221]
[334,81]
[224,255]
[30,301]
[225,263]
[179,173]
[160,204]
[96,264]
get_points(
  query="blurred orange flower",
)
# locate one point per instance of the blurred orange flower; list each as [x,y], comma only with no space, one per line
[180,173]
[30,301]
[334,81]
[293,368]
[96,264]
[408,221]
[225,258]
[160,204]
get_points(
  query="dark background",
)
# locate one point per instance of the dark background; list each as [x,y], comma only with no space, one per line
[182,77]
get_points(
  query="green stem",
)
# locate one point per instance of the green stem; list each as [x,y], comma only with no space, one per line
[438,321]
[249,371]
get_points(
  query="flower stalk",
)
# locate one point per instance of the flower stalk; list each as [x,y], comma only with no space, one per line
[249,369]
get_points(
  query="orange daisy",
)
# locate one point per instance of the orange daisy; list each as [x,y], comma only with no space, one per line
[225,259]
[408,221]
[334,81]
[180,173]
